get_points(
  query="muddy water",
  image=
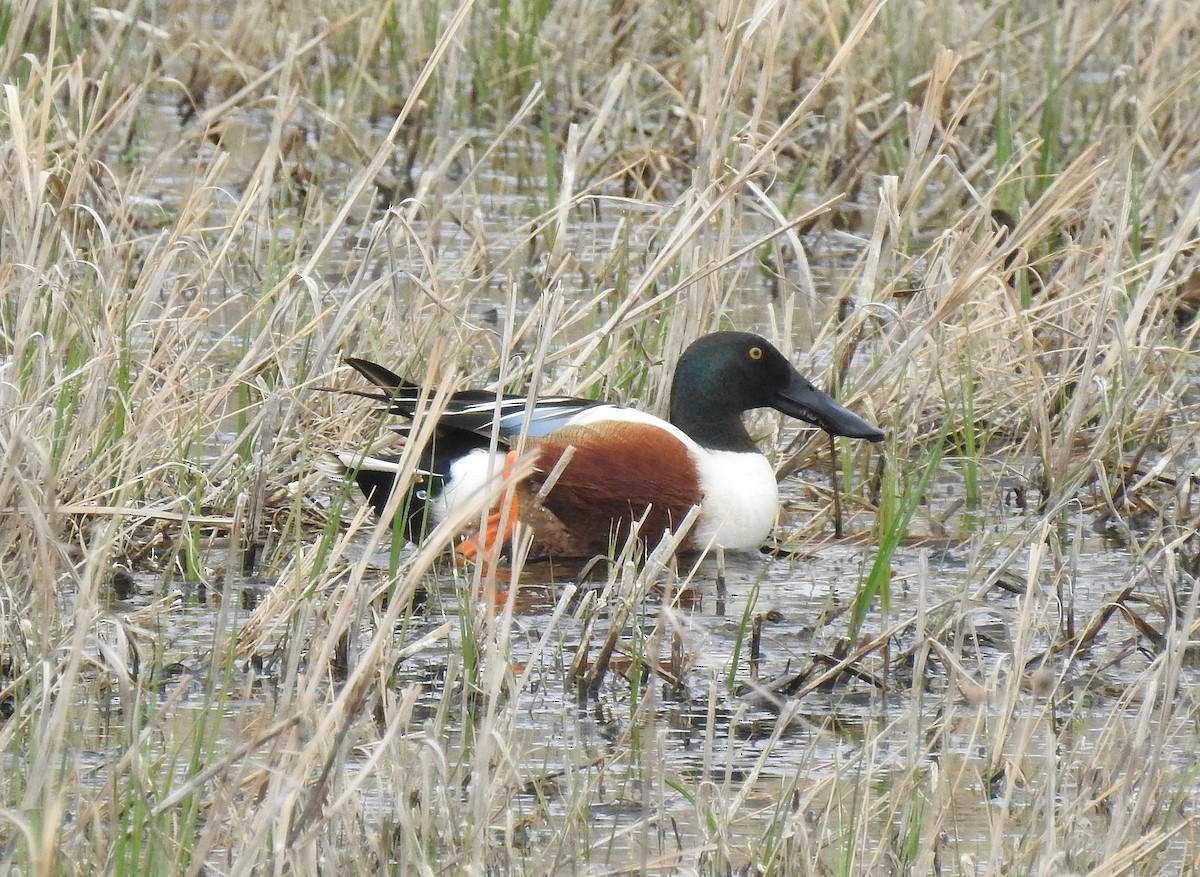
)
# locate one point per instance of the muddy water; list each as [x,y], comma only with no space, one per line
[762,764]
[722,753]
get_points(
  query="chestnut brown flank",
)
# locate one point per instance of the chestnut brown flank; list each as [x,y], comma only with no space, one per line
[617,472]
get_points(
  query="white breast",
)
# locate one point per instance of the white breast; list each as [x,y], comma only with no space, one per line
[741,500]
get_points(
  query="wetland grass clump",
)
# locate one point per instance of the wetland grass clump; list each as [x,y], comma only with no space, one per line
[976,226]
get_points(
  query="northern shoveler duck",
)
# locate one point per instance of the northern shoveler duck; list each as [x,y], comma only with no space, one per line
[626,465]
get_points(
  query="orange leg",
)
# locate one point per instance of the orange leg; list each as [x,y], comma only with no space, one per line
[487,542]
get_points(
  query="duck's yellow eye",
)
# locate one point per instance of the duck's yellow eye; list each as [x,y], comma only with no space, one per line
[755,353]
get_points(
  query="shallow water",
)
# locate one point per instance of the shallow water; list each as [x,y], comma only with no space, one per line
[751,758]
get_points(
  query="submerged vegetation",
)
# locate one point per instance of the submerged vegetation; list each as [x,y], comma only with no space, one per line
[976,223]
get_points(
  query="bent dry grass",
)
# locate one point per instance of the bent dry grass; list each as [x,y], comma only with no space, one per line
[976,224]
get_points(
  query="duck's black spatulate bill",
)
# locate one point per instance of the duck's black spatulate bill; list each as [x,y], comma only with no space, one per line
[802,400]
